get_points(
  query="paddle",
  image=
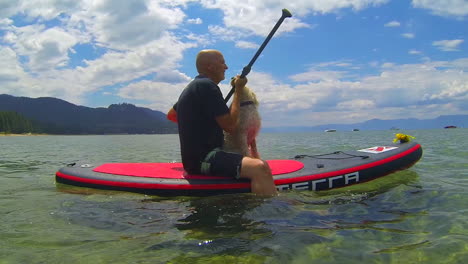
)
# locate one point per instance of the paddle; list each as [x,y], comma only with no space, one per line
[247,68]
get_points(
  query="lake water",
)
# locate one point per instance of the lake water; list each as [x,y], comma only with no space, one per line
[419,215]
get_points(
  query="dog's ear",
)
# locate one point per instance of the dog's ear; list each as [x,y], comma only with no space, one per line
[254,97]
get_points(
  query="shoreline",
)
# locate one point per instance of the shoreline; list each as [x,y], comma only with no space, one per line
[35,134]
[21,135]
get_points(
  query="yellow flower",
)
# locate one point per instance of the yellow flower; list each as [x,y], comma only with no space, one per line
[402,138]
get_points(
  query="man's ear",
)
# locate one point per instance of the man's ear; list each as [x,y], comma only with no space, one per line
[209,67]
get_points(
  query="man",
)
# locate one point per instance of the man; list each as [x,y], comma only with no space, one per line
[202,115]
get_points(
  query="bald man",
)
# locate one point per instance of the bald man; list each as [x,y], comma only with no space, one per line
[202,115]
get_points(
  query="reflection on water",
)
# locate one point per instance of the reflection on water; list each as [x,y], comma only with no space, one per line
[412,216]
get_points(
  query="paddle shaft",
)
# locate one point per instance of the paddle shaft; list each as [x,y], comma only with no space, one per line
[247,68]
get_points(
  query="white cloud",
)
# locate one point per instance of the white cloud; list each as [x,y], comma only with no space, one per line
[203,40]
[171,76]
[110,69]
[326,71]
[227,34]
[452,8]
[124,24]
[424,89]
[388,65]
[136,31]
[414,52]
[448,45]
[163,95]
[301,7]
[196,21]
[259,18]
[317,75]
[4,22]
[392,24]
[16,81]
[8,8]
[115,67]
[40,9]
[357,104]
[452,89]
[408,35]
[246,45]
[46,47]
[10,70]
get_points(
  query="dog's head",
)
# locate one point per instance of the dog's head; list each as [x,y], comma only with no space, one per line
[246,94]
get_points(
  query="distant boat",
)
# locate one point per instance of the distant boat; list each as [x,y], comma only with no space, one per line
[355,129]
[450,127]
[394,128]
[330,130]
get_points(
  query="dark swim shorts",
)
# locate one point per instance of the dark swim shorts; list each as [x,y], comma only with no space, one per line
[222,163]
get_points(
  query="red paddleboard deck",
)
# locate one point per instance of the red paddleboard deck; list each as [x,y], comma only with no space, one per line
[176,170]
[304,172]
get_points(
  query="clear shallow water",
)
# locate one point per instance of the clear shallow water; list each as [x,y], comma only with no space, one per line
[418,215]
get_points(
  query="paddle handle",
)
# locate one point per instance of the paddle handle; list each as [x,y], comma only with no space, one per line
[246,70]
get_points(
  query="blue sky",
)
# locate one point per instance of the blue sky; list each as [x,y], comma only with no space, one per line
[334,61]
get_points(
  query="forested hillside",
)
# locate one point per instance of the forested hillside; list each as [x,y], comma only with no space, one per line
[12,122]
[54,116]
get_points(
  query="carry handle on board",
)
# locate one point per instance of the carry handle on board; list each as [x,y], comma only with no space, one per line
[247,68]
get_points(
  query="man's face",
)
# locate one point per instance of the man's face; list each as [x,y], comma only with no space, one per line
[218,67]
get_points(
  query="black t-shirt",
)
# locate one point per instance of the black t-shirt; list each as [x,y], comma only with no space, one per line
[198,106]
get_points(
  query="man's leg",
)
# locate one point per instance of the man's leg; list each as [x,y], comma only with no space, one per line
[260,176]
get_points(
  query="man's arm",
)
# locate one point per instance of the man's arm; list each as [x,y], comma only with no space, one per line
[228,122]
[172,115]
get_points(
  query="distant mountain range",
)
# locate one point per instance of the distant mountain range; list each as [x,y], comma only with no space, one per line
[378,124]
[56,116]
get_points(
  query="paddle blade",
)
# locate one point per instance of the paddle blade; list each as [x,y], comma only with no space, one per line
[286,13]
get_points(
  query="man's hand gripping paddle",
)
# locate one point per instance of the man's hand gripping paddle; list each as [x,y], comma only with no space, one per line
[247,68]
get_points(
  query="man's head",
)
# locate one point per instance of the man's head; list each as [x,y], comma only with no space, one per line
[211,64]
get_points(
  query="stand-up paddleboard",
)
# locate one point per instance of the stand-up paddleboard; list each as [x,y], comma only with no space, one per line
[304,172]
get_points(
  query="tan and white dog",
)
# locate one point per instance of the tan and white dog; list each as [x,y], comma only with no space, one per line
[243,140]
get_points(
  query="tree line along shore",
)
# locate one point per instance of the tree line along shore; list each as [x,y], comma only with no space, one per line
[12,123]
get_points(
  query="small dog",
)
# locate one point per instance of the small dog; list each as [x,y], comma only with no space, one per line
[243,141]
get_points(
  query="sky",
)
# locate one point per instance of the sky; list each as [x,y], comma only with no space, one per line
[332,62]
